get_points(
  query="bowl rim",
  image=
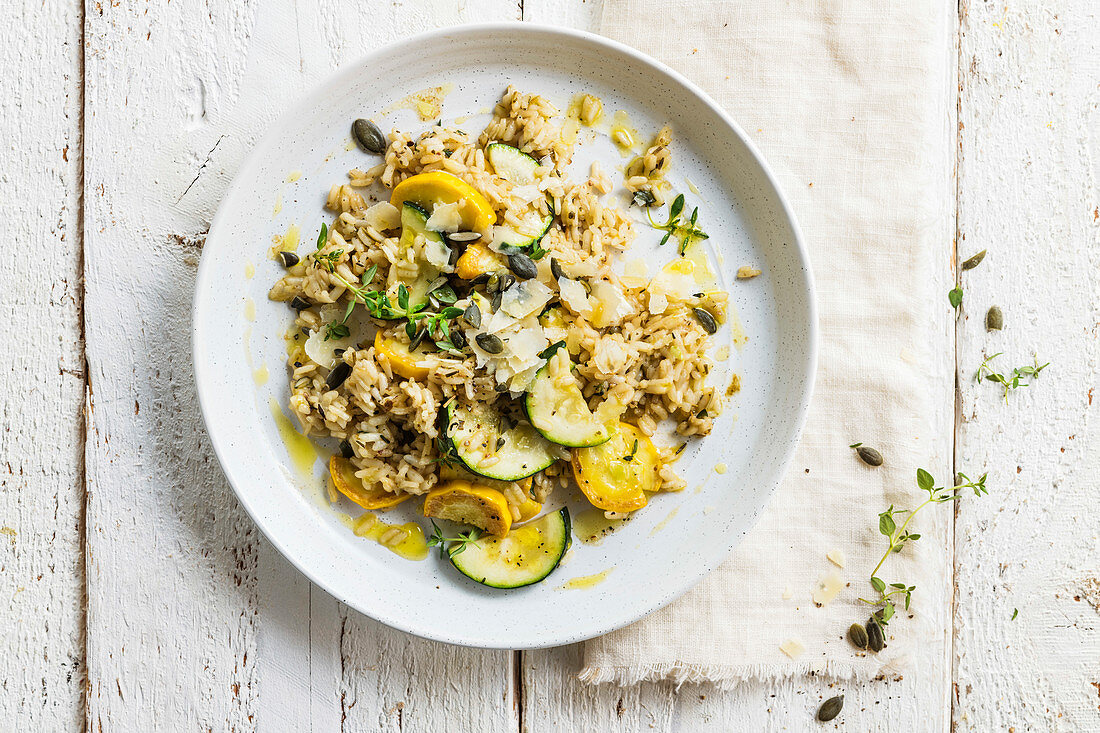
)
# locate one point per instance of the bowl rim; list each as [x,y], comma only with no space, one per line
[316,93]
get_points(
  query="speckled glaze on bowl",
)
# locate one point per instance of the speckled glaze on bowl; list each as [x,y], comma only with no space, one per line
[670,544]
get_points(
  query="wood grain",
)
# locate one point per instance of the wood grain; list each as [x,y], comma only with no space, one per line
[190,611]
[41,467]
[1029,130]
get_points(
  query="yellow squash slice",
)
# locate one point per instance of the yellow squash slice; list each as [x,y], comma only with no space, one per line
[466,503]
[478,260]
[410,365]
[434,188]
[529,509]
[615,475]
[348,484]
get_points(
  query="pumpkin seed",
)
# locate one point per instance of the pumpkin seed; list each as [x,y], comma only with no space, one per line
[289,259]
[830,708]
[458,339]
[875,640]
[974,261]
[868,455]
[994,319]
[369,137]
[299,303]
[706,320]
[555,269]
[498,282]
[463,236]
[472,315]
[345,449]
[338,374]
[489,343]
[418,339]
[523,266]
[858,636]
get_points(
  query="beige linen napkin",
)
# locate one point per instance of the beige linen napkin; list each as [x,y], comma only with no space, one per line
[847,99]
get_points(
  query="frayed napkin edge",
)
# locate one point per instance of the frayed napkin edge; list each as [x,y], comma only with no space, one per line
[729,676]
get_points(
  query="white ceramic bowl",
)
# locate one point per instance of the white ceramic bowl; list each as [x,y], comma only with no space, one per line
[675,540]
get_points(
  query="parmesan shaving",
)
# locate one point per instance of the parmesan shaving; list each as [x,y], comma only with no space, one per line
[383,216]
[827,589]
[793,648]
[574,296]
[525,298]
[446,217]
[438,255]
[610,306]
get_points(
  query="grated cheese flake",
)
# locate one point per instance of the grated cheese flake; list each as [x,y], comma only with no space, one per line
[793,648]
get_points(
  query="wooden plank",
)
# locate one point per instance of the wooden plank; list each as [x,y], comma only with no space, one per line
[1029,135]
[555,701]
[194,622]
[41,490]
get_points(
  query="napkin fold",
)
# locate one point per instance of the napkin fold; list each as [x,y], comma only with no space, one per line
[848,101]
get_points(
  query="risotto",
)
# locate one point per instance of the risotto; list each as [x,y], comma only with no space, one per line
[470,345]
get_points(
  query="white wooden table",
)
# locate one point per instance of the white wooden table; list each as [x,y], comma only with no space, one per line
[140,596]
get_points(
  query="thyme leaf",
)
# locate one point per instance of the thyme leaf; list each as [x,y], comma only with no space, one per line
[685,233]
[451,546]
[1015,380]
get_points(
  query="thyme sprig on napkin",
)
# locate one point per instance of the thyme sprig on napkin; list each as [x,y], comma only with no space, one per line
[897,536]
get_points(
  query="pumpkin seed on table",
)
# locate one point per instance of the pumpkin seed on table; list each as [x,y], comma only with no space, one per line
[974,261]
[994,319]
[523,266]
[858,636]
[830,708]
[368,136]
[288,259]
[706,320]
[489,343]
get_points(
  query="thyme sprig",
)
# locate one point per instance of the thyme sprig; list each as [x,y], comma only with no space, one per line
[433,326]
[1013,380]
[685,233]
[336,330]
[456,544]
[897,537]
